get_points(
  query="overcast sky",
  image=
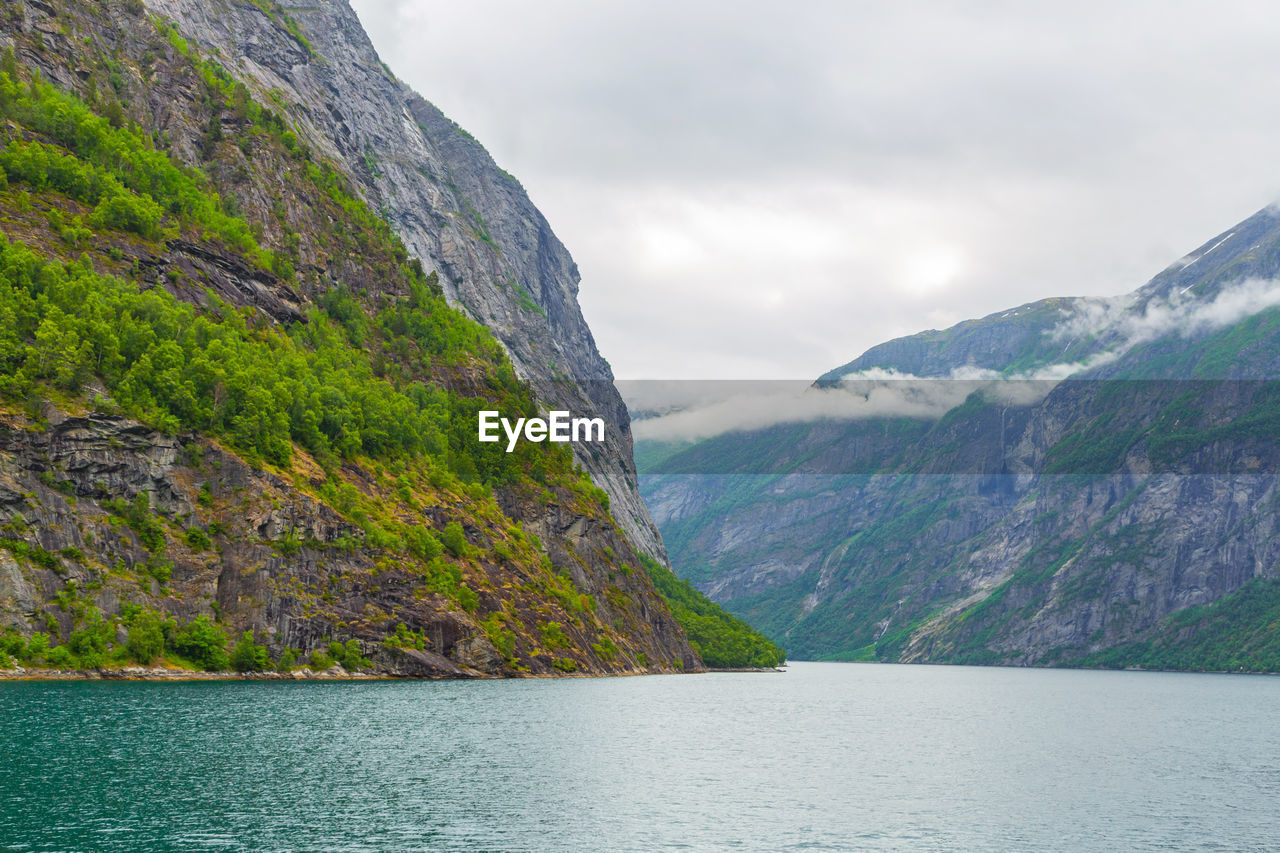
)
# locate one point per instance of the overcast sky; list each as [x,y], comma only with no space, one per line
[765,190]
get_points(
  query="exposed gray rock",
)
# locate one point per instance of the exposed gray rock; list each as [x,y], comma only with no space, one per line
[456,210]
[478,653]
[17,596]
[59,491]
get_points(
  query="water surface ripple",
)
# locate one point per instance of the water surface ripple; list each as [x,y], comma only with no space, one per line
[823,757]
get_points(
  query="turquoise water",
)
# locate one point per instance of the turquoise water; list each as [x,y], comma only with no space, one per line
[823,757]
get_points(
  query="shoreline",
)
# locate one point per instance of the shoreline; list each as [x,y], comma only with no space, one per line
[148,673]
[335,673]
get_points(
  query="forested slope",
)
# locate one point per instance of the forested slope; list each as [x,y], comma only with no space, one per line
[239,417]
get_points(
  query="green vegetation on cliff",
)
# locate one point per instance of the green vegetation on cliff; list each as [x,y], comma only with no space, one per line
[1239,632]
[723,640]
[154,639]
[362,401]
[218,371]
[131,185]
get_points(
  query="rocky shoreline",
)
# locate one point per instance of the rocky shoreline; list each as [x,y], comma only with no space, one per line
[157,673]
[333,673]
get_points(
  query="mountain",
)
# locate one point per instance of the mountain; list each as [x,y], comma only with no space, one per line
[456,210]
[1095,485]
[253,293]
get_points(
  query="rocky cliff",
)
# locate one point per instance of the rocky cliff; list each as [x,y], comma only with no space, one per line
[455,208]
[235,404]
[270,557]
[1121,517]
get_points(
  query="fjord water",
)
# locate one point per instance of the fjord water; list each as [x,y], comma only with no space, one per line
[824,756]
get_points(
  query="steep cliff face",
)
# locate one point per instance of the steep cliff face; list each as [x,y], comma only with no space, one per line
[234,402]
[455,209]
[1110,518]
[117,513]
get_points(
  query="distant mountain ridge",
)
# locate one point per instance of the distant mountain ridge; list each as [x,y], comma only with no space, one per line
[1014,341]
[1075,528]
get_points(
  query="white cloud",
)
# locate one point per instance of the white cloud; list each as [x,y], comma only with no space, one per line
[1129,325]
[691,411]
[759,191]
[760,405]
